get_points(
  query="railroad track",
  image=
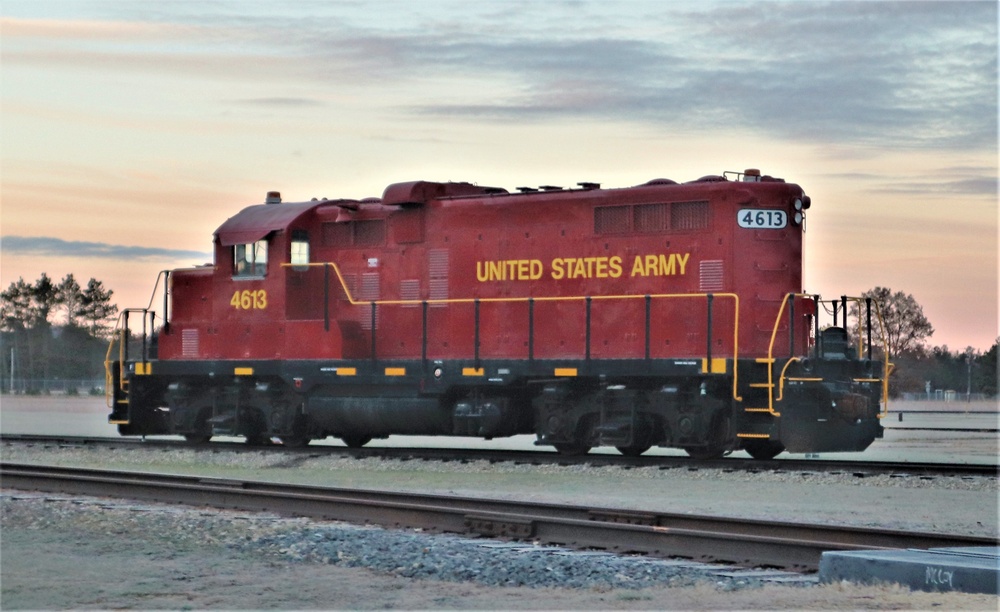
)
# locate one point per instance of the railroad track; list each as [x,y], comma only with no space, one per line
[788,464]
[754,543]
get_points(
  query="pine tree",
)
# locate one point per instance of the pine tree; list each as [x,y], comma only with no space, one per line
[97,309]
[71,299]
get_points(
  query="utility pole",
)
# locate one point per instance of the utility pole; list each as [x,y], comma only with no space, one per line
[968,363]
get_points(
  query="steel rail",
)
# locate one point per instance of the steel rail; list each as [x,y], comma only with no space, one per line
[736,541]
[785,464]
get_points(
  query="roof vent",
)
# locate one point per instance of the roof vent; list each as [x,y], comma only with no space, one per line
[589,185]
[273,197]
[751,175]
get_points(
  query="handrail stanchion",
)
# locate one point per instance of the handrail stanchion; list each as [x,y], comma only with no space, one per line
[144,347]
[531,329]
[791,325]
[708,352]
[125,335]
[374,345]
[816,307]
[649,330]
[476,347]
[868,316]
[423,342]
[166,303]
[326,298]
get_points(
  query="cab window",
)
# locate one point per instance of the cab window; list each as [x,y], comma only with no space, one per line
[250,259]
[300,248]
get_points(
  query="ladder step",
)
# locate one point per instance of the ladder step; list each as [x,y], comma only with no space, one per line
[754,436]
[762,385]
[764,360]
[756,410]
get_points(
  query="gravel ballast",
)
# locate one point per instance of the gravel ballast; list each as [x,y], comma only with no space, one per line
[83,552]
[61,552]
[944,504]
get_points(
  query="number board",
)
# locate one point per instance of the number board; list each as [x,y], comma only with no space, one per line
[762,218]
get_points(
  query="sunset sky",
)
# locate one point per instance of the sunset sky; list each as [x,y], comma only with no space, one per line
[130,130]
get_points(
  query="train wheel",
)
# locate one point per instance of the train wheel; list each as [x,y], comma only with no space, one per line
[633,451]
[763,449]
[355,441]
[254,428]
[299,435]
[718,440]
[642,439]
[201,433]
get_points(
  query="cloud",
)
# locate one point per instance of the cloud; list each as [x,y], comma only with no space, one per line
[46,246]
[862,73]
[981,186]
[280,102]
[884,74]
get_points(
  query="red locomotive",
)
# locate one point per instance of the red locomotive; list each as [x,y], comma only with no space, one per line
[663,314]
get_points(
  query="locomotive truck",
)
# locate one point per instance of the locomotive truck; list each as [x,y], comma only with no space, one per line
[665,314]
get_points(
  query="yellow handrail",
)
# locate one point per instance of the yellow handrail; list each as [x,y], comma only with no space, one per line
[770,355]
[109,377]
[118,334]
[887,367]
[733,296]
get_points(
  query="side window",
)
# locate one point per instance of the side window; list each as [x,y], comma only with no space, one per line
[250,259]
[300,248]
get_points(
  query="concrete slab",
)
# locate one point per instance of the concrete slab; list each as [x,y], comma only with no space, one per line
[967,570]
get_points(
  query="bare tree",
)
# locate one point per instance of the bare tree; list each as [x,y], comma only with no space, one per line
[906,327]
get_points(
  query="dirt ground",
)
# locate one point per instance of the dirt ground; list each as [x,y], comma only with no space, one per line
[80,559]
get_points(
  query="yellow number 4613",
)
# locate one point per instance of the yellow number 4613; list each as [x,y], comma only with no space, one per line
[249,299]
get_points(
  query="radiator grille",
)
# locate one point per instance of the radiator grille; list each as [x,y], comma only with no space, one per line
[369,292]
[409,289]
[711,276]
[652,217]
[438,268]
[189,342]
[689,215]
[612,219]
